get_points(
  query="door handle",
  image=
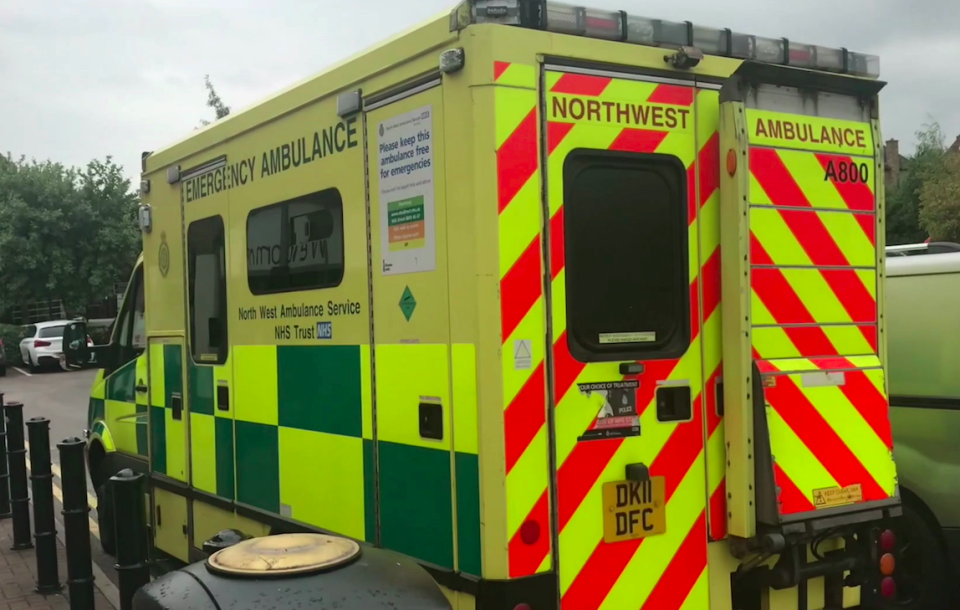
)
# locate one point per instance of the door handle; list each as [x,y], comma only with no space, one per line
[176,404]
[141,389]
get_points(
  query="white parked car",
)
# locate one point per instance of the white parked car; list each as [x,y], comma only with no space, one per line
[44,344]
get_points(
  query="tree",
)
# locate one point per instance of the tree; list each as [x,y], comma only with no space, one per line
[213,101]
[939,195]
[65,233]
[904,205]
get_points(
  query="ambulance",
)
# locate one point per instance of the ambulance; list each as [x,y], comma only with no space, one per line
[577,308]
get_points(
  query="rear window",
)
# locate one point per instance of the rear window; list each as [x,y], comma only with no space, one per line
[626,256]
[51,331]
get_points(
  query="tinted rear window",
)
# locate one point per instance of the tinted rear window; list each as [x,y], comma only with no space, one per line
[51,331]
[626,252]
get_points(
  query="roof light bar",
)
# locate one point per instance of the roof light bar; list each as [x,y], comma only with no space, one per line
[620,26]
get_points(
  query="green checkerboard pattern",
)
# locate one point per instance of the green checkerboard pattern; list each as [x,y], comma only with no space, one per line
[297,441]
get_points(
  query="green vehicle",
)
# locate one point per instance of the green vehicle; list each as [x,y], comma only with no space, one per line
[922,294]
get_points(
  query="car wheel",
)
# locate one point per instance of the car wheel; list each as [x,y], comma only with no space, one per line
[34,367]
[920,572]
[108,535]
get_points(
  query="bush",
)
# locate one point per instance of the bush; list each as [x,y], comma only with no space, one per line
[12,336]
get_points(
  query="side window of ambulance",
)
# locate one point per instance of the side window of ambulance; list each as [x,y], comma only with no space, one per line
[208,290]
[139,339]
[625,235]
[125,331]
[296,244]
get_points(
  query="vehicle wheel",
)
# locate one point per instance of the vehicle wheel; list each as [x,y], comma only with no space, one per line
[921,568]
[108,534]
[34,368]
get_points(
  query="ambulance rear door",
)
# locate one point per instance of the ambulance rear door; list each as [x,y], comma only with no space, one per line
[626,360]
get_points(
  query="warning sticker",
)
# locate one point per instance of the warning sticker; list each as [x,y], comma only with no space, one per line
[617,406]
[522,355]
[829,497]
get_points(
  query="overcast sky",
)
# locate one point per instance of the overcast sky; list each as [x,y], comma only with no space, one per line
[88,78]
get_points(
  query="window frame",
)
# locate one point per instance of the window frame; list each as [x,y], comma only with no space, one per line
[127,353]
[256,291]
[223,350]
[678,344]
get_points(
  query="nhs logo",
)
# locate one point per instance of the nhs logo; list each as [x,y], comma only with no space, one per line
[324,330]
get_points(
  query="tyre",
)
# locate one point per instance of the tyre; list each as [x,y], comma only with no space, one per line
[921,568]
[34,367]
[108,535]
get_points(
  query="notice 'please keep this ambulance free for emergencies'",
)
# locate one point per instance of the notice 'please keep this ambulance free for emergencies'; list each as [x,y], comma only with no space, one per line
[577,308]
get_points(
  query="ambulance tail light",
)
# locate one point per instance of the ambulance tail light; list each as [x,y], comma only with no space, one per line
[620,26]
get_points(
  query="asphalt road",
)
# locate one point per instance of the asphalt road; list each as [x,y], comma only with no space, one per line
[59,396]
[62,397]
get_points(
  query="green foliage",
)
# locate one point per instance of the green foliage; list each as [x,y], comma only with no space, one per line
[12,336]
[905,224]
[213,101]
[65,233]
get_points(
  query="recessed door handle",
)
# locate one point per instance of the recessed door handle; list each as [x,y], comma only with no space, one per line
[141,389]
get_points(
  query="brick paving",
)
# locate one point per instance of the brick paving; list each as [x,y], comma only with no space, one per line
[18,578]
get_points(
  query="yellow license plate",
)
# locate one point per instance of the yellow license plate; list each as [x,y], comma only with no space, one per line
[634,509]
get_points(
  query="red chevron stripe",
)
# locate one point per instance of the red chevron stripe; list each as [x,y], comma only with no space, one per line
[709,162]
[710,275]
[607,562]
[638,140]
[566,368]
[672,94]
[718,512]
[852,294]
[772,175]
[791,499]
[499,67]
[822,440]
[524,417]
[556,132]
[525,558]
[785,306]
[814,238]
[684,570]
[869,402]
[856,195]
[580,470]
[517,160]
[868,222]
[758,254]
[580,84]
[520,289]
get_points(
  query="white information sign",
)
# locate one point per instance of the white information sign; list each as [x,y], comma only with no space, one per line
[407,220]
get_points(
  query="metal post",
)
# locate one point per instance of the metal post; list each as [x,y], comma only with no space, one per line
[41,476]
[4,472]
[130,516]
[76,523]
[17,458]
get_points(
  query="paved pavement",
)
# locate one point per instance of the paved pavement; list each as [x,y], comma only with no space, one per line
[61,397]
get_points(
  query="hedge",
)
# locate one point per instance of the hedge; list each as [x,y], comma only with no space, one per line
[12,336]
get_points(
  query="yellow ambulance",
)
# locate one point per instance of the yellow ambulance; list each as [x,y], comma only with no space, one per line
[462,296]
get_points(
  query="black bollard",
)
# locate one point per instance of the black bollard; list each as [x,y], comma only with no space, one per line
[4,473]
[17,459]
[130,515]
[45,528]
[76,523]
